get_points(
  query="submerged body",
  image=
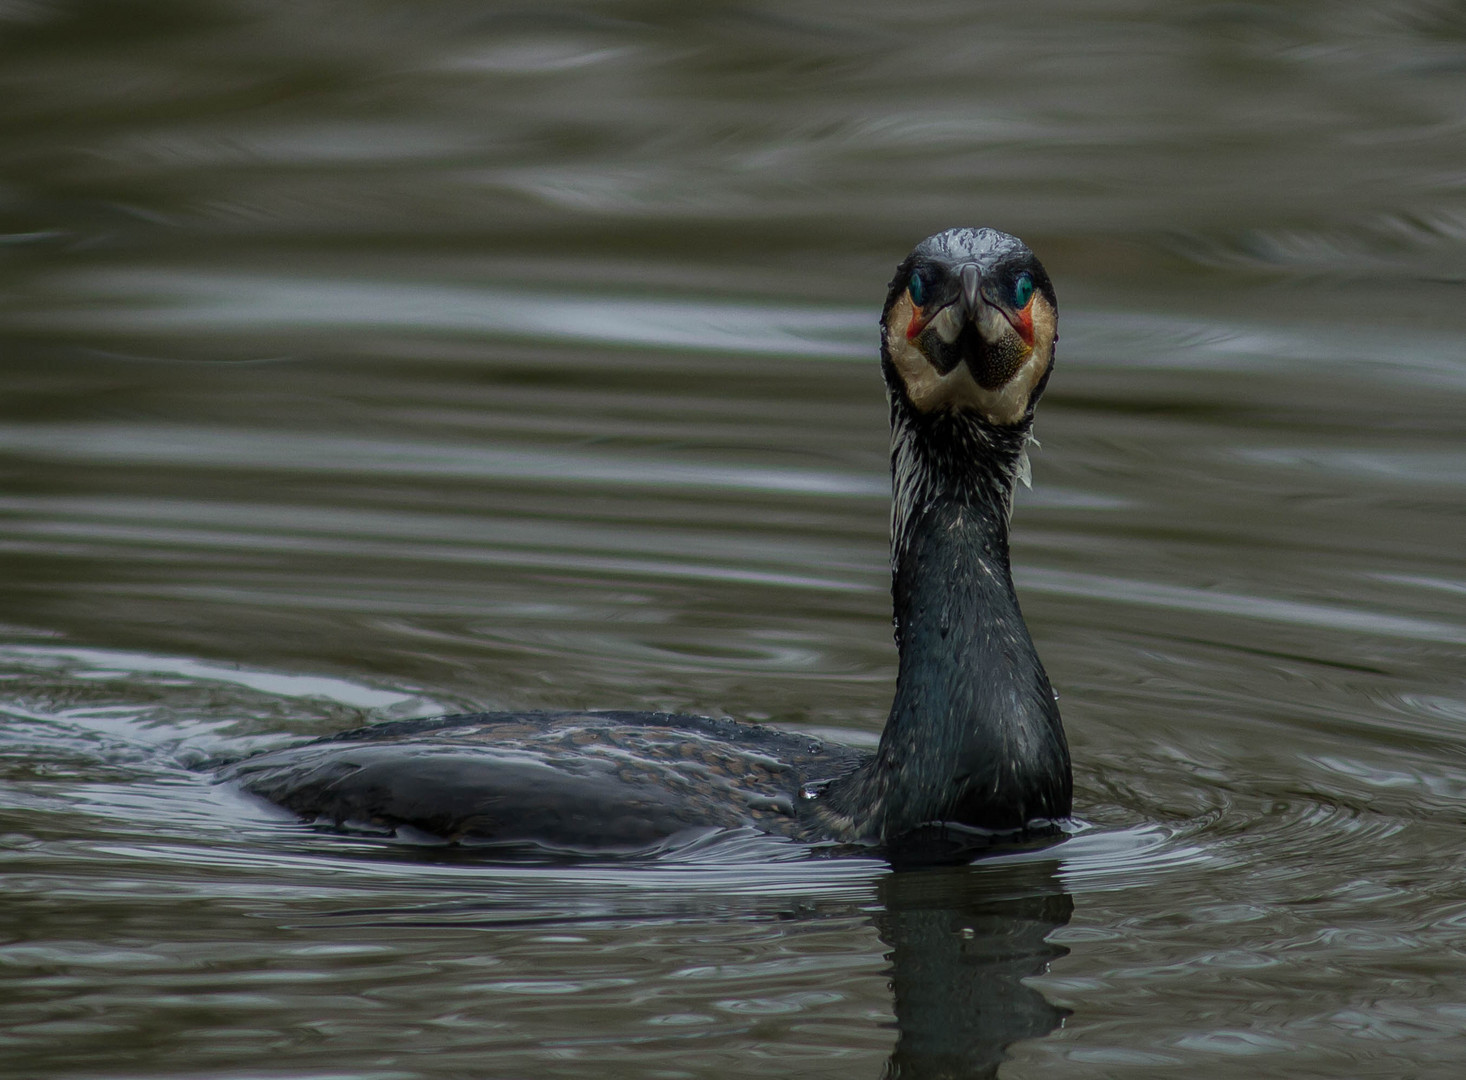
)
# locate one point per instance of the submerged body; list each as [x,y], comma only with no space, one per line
[973,747]
[608,781]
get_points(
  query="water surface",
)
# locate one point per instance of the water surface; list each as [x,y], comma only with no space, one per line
[370,363]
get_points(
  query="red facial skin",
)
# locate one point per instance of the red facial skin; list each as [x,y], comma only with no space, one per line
[917,324]
[1022,321]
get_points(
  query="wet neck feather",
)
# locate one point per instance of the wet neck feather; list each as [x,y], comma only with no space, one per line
[974,735]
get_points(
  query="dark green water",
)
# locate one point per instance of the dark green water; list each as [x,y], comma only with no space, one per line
[374,360]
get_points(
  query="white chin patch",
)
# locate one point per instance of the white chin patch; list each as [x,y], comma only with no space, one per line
[931,390]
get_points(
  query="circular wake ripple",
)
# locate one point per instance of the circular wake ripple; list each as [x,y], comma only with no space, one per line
[117,749]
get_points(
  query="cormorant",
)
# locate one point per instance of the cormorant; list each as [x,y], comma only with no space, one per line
[973,751]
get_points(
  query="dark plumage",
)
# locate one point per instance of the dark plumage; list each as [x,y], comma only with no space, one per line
[973,749]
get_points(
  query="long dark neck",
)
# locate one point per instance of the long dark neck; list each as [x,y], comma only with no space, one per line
[974,735]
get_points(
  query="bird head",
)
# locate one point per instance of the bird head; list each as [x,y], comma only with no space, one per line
[969,326]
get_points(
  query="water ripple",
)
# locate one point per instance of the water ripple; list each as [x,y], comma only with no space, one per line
[128,302]
[1215,602]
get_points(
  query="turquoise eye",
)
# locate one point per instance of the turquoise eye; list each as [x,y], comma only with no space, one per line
[916,289]
[1022,291]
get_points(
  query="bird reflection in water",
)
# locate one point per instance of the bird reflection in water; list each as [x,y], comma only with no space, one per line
[962,940]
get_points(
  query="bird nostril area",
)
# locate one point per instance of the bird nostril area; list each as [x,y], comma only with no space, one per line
[971,286]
